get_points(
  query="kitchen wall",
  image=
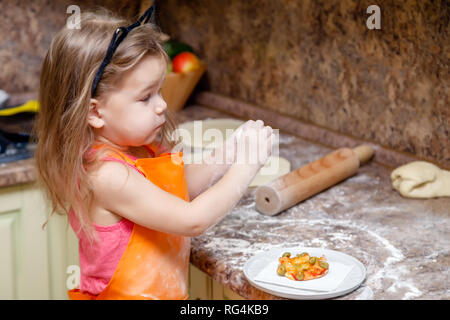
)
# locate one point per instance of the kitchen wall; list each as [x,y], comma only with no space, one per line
[26,30]
[316,60]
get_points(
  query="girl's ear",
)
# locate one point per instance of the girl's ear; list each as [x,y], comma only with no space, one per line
[94,117]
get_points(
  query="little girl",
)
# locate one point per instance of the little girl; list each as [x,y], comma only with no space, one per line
[104,139]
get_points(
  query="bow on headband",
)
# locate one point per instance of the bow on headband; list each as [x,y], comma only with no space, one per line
[117,38]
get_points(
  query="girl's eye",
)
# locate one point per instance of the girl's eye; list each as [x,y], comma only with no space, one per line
[146,98]
[151,95]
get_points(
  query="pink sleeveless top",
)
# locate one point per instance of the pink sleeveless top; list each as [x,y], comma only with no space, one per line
[99,260]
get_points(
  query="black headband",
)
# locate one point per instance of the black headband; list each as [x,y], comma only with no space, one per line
[116,40]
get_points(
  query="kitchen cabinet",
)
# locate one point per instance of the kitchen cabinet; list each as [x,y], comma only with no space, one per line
[38,264]
[33,261]
[202,287]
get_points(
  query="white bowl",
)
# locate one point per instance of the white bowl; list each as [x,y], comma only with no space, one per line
[200,134]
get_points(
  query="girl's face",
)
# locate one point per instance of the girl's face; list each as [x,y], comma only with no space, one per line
[132,115]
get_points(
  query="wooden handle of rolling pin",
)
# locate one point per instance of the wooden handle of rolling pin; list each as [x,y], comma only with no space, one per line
[302,183]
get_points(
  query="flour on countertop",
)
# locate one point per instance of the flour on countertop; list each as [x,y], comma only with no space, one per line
[402,243]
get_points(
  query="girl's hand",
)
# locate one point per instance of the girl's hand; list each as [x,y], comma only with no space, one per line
[253,143]
[245,145]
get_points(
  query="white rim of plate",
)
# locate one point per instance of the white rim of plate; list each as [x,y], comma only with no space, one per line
[349,284]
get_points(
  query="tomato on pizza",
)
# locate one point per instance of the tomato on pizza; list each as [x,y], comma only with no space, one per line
[302,267]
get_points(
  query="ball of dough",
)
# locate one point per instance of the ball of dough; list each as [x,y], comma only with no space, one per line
[274,168]
[420,179]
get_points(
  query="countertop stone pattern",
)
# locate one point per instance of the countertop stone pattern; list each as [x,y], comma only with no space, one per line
[315,60]
[403,243]
[17,172]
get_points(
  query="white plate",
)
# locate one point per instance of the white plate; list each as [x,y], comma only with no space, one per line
[197,138]
[353,280]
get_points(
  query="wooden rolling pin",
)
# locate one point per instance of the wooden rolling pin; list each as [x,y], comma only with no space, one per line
[300,184]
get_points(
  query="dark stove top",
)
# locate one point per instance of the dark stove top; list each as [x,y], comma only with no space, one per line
[15,138]
[15,146]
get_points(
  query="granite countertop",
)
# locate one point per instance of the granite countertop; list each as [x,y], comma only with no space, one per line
[22,171]
[403,243]
[17,172]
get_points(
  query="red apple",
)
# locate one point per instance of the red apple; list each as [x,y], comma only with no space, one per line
[185,62]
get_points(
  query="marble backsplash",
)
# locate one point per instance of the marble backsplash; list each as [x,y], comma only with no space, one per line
[26,30]
[315,60]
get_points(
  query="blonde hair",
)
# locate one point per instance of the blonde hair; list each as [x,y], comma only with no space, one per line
[62,131]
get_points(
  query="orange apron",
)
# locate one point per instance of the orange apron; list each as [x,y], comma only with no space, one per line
[154,264]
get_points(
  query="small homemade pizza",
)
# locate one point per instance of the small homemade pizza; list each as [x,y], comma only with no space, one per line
[302,267]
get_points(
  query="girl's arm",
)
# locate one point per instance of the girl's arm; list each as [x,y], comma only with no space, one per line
[200,176]
[123,191]
[214,164]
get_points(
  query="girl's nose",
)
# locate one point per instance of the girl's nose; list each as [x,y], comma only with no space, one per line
[162,105]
